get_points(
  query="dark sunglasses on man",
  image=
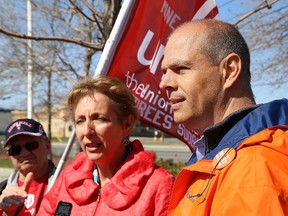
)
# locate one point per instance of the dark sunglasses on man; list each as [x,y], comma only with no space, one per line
[30,146]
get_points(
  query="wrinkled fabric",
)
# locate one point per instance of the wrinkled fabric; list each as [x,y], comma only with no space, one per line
[137,188]
[254,183]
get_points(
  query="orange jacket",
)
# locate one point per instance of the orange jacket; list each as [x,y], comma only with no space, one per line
[254,182]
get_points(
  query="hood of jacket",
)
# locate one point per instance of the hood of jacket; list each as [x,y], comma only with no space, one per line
[123,187]
[265,116]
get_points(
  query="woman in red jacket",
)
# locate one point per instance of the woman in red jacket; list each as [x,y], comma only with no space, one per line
[112,176]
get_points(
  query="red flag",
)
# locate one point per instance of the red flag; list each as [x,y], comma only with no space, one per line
[139,53]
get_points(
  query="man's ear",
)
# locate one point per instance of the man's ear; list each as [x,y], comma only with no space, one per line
[232,66]
[48,144]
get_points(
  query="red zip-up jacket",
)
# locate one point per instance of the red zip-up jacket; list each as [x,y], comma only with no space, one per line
[138,188]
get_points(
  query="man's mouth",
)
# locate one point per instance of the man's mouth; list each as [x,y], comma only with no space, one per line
[176,102]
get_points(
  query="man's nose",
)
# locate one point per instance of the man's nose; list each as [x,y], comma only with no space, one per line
[168,80]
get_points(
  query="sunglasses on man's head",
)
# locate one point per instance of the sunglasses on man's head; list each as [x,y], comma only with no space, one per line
[14,151]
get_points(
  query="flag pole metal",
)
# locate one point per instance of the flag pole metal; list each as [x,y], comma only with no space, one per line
[29,62]
[62,159]
[114,38]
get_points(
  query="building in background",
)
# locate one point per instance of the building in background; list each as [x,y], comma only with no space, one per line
[61,127]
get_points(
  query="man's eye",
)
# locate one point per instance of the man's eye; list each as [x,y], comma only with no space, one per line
[181,69]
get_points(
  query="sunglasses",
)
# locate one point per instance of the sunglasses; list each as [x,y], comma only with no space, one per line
[14,151]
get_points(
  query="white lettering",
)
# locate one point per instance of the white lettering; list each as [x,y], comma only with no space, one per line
[157,56]
[148,95]
[169,15]
[188,136]
[153,115]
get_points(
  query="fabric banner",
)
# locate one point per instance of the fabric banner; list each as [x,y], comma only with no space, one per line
[138,56]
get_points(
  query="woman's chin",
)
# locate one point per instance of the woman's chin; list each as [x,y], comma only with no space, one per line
[93,155]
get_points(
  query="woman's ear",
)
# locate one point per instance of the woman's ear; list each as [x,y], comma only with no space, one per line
[128,125]
[232,66]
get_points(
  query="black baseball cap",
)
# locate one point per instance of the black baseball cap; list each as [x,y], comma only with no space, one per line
[23,126]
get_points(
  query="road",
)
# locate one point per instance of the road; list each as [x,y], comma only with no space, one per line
[170,148]
[177,153]
[4,173]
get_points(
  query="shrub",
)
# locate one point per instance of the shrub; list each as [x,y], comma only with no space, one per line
[172,167]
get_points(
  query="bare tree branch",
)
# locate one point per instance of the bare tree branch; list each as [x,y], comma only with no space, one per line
[97,47]
[94,12]
[266,4]
[81,11]
[53,68]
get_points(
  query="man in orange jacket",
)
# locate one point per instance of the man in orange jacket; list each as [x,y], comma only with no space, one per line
[239,166]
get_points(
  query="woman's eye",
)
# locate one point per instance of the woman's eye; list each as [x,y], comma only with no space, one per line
[79,121]
[101,118]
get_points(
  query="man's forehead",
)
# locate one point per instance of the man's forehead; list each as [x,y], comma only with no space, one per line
[179,54]
[191,33]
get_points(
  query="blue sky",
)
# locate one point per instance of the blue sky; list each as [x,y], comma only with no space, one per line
[231,11]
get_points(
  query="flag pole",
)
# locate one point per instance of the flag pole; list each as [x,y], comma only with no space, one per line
[62,159]
[114,38]
[29,62]
[102,68]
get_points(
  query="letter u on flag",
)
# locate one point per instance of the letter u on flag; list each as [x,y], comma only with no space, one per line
[134,51]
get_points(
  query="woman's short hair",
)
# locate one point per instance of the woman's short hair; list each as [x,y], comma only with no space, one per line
[119,95]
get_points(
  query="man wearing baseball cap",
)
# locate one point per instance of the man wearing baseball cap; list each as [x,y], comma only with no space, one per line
[28,146]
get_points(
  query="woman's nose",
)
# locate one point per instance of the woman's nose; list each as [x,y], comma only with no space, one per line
[89,129]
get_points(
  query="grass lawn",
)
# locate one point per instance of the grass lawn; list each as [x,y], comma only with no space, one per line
[6,162]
